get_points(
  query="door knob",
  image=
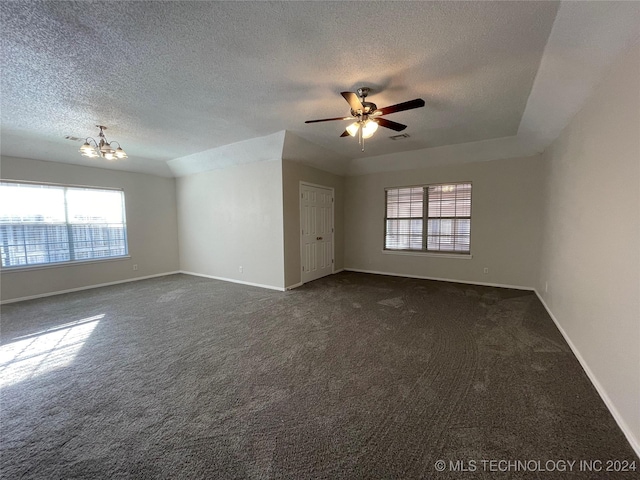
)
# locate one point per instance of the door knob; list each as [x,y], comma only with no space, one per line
[318,238]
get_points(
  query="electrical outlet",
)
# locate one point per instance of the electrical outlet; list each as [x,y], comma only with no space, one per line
[135,266]
[486,270]
[240,269]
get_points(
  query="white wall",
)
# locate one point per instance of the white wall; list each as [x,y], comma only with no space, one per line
[590,256]
[292,174]
[505,223]
[151,228]
[231,218]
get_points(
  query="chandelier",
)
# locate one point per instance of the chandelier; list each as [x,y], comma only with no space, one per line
[102,147]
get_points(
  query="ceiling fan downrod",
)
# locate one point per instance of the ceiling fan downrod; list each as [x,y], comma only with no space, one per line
[362,117]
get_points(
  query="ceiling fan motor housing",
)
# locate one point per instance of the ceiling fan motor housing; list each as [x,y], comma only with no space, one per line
[363,92]
[368,109]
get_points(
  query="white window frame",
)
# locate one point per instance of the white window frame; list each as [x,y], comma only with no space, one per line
[425,219]
[69,227]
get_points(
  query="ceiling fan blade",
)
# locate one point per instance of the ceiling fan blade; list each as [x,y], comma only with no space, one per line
[354,101]
[417,103]
[383,122]
[329,119]
[344,134]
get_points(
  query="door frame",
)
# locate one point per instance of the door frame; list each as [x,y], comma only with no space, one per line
[333,224]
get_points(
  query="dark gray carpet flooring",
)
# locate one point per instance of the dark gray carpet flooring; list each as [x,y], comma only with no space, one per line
[352,376]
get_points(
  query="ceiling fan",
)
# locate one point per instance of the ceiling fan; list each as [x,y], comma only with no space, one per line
[368,116]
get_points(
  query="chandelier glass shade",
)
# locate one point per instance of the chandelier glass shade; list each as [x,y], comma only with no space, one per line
[93,148]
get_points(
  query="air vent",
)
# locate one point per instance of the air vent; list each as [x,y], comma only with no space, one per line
[399,137]
[73,139]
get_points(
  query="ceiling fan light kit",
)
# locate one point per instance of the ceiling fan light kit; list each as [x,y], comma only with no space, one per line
[369,127]
[367,115]
[93,148]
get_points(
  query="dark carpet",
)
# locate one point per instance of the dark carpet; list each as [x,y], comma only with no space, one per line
[352,376]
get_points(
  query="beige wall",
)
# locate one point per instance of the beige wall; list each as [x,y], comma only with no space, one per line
[292,174]
[505,224]
[566,223]
[151,228]
[590,258]
[231,218]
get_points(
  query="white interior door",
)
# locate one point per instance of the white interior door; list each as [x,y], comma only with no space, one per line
[316,222]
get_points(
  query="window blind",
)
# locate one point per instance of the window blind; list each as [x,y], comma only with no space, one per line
[447,216]
[404,219]
[44,224]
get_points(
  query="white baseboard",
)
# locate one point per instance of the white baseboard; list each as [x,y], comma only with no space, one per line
[261,285]
[422,277]
[299,284]
[633,441]
[88,287]
[233,280]
[631,438]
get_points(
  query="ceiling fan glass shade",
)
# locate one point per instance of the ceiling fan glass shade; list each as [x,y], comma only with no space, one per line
[369,128]
[120,153]
[353,129]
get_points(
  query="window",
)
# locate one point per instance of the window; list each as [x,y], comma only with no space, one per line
[446,210]
[44,224]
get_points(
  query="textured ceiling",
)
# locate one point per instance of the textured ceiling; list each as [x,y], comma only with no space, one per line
[171,79]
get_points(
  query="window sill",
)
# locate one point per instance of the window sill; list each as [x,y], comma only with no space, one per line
[465,256]
[45,266]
